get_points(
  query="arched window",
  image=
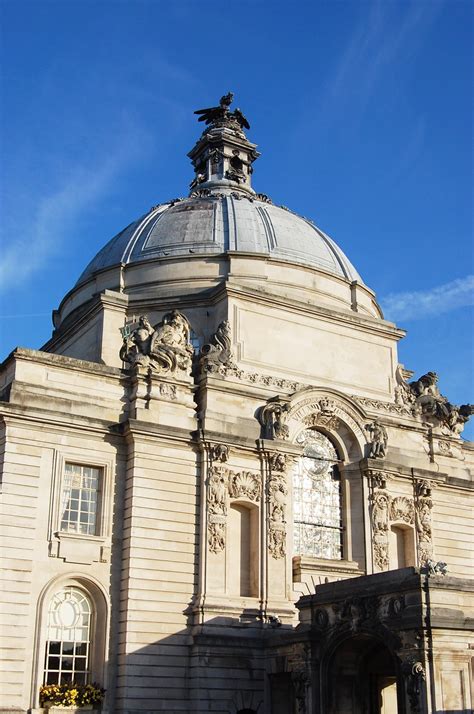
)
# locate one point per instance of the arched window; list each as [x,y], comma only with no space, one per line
[317,499]
[68,638]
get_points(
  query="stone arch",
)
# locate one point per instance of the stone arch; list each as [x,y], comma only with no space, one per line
[359,672]
[332,413]
[99,626]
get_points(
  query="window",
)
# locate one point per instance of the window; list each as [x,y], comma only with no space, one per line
[68,637]
[80,499]
[317,499]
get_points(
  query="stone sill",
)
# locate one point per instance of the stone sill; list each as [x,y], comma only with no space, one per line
[311,565]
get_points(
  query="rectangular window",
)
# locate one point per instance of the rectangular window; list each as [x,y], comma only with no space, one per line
[80,499]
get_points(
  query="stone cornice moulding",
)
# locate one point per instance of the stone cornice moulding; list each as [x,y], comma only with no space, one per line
[56,420]
[49,358]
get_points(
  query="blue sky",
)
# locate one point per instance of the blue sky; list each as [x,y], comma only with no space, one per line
[362,112]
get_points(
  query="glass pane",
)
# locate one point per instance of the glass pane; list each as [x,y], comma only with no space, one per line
[317,498]
[81,492]
[69,627]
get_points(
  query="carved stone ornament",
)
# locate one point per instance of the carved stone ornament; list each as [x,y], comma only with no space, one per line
[219,452]
[216,356]
[323,415]
[378,479]
[244,484]
[221,116]
[414,673]
[277,493]
[380,504]
[217,507]
[423,525]
[272,418]
[164,348]
[378,444]
[357,611]
[435,408]
[401,509]
[277,462]
[301,682]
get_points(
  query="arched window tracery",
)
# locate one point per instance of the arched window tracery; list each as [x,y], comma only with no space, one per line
[68,638]
[317,512]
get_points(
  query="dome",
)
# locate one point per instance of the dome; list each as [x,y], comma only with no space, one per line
[222,222]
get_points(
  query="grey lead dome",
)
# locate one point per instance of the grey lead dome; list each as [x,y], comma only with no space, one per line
[216,224]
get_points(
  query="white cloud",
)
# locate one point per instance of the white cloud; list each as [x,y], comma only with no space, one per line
[424,303]
[50,215]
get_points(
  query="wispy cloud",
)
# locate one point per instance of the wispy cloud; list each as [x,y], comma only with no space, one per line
[425,303]
[380,49]
[28,243]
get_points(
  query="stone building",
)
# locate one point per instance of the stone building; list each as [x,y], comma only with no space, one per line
[221,491]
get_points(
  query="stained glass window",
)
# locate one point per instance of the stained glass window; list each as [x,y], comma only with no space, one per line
[317,499]
[68,637]
[80,499]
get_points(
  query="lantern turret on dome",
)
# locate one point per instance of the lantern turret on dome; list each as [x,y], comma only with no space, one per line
[223,156]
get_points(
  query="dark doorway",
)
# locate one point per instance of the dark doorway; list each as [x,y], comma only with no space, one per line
[361,678]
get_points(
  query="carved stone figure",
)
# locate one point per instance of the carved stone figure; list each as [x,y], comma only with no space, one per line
[277,493]
[216,495]
[423,508]
[438,568]
[403,393]
[218,352]
[164,348]
[380,504]
[378,479]
[378,446]
[414,673]
[244,484]
[219,452]
[436,408]
[216,536]
[277,542]
[273,418]
[277,461]
[221,116]
[217,508]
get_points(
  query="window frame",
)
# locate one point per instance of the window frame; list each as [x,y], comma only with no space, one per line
[99,628]
[89,642]
[339,466]
[103,523]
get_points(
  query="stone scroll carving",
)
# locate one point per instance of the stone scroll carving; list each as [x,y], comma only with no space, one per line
[272,418]
[216,356]
[277,493]
[162,349]
[379,440]
[423,506]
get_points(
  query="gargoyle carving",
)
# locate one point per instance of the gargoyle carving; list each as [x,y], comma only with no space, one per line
[164,348]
